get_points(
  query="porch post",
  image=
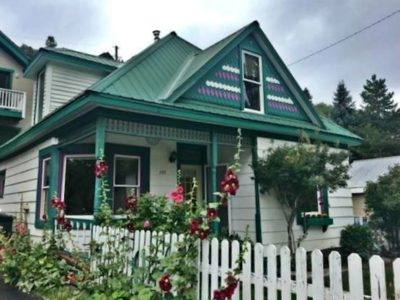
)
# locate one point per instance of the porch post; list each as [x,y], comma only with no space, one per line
[99,150]
[214,184]
[54,183]
[254,155]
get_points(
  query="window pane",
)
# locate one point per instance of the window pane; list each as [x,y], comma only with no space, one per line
[5,80]
[120,193]
[43,202]
[79,186]
[251,67]
[252,95]
[40,94]
[126,171]
[46,172]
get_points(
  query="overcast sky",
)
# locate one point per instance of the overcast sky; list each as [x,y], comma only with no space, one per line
[296,28]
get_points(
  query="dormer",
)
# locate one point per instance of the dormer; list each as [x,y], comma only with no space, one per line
[61,74]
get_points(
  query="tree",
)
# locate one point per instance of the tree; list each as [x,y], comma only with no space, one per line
[383,202]
[379,105]
[323,109]
[51,42]
[293,172]
[343,111]
[378,121]
[28,50]
[308,94]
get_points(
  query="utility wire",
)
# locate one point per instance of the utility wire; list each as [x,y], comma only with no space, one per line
[345,38]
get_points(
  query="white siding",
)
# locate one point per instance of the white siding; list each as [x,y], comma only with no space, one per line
[21,181]
[274,223]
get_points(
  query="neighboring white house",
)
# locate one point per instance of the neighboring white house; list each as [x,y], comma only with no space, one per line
[172,106]
[361,172]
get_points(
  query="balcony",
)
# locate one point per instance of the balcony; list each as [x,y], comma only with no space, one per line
[12,103]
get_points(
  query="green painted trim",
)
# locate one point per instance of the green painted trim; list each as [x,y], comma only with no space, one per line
[257,194]
[44,55]
[215,228]
[11,71]
[99,151]
[90,101]
[10,113]
[13,50]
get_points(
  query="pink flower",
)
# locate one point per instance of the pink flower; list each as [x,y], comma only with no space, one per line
[146,224]
[101,169]
[230,184]
[20,228]
[177,195]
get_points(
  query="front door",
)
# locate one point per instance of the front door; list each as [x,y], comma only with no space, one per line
[188,172]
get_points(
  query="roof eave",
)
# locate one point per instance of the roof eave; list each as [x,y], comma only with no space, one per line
[13,50]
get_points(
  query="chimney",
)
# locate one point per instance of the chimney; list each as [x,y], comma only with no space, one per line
[116,53]
[156,34]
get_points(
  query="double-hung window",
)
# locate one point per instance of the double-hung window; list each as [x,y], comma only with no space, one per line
[44,186]
[252,81]
[126,178]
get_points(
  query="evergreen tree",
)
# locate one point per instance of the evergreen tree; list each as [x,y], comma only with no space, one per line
[343,111]
[379,105]
[324,109]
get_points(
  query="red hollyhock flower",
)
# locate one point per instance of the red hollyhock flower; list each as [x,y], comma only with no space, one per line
[14,251]
[230,184]
[71,278]
[68,225]
[165,283]
[131,202]
[130,227]
[203,233]
[101,169]
[211,213]
[195,225]
[219,295]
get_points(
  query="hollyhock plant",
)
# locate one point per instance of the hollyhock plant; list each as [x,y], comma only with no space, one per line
[101,169]
[131,227]
[165,283]
[211,214]
[20,228]
[230,184]
[177,195]
[131,202]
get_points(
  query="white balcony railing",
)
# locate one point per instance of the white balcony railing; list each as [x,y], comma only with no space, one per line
[13,100]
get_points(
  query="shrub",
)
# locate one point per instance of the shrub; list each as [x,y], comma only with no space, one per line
[357,239]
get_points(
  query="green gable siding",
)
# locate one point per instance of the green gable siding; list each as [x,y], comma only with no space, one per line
[221,85]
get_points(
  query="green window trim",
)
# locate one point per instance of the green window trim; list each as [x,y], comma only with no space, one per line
[44,155]
[11,74]
[322,220]
[2,183]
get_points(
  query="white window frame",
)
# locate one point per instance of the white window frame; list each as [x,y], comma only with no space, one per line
[85,156]
[42,206]
[115,185]
[229,202]
[261,111]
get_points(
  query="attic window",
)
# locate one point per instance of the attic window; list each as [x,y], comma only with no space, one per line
[252,75]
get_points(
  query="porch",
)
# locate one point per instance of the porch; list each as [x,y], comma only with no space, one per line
[144,157]
[12,103]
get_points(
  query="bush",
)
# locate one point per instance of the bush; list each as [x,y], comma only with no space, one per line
[357,239]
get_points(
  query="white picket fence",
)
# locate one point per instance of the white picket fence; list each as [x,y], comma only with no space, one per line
[268,273]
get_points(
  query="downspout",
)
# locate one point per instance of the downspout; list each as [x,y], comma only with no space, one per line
[257,194]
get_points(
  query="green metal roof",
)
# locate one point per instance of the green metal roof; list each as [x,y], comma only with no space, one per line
[148,74]
[69,56]
[85,56]
[12,49]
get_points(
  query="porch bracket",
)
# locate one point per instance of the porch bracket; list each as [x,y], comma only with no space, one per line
[257,194]
[99,150]
[214,162]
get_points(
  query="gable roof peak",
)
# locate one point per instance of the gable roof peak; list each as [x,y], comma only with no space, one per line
[13,50]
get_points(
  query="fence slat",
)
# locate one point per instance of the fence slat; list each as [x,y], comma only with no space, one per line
[224,260]
[246,273]
[204,269]
[355,277]
[214,264]
[234,256]
[335,276]
[272,272]
[377,278]
[259,272]
[301,274]
[286,280]
[396,278]
[317,265]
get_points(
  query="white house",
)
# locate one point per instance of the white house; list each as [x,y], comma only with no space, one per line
[172,106]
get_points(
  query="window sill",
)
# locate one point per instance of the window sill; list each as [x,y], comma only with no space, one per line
[253,111]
